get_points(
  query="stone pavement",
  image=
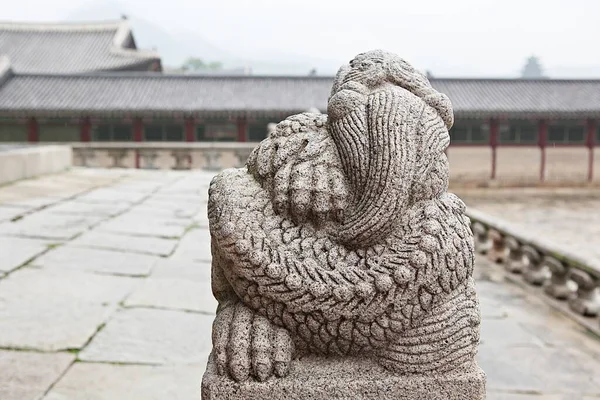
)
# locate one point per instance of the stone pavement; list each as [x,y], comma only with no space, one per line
[105,295]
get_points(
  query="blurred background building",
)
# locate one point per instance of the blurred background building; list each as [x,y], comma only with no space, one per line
[78,82]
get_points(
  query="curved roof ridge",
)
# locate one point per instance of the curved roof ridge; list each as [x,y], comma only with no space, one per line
[62,26]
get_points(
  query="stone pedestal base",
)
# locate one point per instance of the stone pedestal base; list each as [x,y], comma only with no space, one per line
[318,378]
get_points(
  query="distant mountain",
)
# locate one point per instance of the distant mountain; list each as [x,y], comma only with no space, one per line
[175,48]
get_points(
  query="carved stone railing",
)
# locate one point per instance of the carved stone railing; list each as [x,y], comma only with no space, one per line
[569,280]
[210,156]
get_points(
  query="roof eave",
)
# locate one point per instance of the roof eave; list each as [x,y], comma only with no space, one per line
[21,113]
[525,114]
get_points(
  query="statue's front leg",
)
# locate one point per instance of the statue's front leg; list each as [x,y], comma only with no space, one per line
[245,343]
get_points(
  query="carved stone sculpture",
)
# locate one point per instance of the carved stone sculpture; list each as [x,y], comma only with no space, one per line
[338,252]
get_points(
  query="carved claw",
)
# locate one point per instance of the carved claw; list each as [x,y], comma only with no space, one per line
[248,345]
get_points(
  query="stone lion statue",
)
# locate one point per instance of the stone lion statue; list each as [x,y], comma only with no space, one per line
[339,236]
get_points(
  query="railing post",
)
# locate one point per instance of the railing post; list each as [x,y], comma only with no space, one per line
[481,239]
[242,156]
[117,156]
[514,261]
[587,300]
[535,273]
[183,159]
[212,160]
[497,252]
[558,284]
[149,156]
[85,155]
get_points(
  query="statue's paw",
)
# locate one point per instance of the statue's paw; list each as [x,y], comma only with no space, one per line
[246,344]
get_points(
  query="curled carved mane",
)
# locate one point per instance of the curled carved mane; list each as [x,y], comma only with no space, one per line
[299,165]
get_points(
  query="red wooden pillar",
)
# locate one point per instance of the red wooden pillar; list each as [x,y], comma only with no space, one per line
[138,136]
[190,130]
[138,130]
[86,130]
[494,128]
[542,142]
[33,131]
[242,129]
[591,133]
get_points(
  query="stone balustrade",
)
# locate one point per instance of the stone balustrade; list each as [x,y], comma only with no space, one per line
[210,156]
[570,281]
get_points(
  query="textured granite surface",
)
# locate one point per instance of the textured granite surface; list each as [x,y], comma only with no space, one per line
[339,240]
[346,378]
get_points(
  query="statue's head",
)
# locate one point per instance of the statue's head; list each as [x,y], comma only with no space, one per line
[376,68]
[387,121]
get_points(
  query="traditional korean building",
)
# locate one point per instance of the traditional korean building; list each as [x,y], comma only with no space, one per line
[65,48]
[89,82]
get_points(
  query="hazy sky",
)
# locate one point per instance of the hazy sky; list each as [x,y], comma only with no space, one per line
[449,37]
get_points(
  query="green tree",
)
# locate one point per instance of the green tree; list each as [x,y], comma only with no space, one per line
[532,69]
[197,64]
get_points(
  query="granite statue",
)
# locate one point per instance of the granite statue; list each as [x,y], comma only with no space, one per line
[339,239]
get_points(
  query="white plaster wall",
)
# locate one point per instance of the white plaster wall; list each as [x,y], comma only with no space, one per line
[33,161]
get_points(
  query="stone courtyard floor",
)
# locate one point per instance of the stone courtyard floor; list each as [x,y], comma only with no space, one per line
[105,295]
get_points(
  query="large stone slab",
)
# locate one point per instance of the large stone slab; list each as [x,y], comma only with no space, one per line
[26,200]
[125,243]
[507,332]
[15,252]
[76,207]
[351,378]
[46,225]
[50,310]
[112,194]
[167,197]
[195,246]
[69,257]
[173,212]
[523,369]
[178,209]
[145,225]
[174,293]
[27,375]
[182,269]
[46,190]
[8,213]
[147,336]
[86,381]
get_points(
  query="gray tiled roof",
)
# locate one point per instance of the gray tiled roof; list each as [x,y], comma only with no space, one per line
[67,48]
[152,92]
[522,96]
[156,93]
